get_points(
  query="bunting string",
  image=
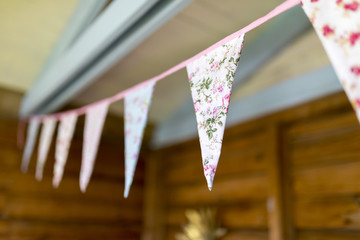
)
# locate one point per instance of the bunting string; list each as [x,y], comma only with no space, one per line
[210,74]
[288,4]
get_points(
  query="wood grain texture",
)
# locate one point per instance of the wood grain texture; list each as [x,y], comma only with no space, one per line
[328,235]
[32,210]
[247,214]
[330,213]
[289,175]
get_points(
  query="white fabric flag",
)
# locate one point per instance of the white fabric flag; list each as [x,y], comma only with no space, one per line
[211,78]
[63,141]
[94,122]
[32,133]
[337,23]
[136,111]
[47,132]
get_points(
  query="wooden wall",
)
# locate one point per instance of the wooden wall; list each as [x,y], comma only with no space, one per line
[293,175]
[35,210]
[290,175]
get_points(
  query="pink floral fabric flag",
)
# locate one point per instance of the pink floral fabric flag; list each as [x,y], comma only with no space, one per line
[47,132]
[32,133]
[136,111]
[94,122]
[63,141]
[337,23]
[211,78]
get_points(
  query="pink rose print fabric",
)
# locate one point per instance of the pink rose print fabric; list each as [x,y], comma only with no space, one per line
[32,133]
[94,122]
[47,132]
[136,111]
[337,23]
[63,141]
[211,78]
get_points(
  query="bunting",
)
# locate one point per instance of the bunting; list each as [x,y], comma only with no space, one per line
[94,122]
[63,141]
[32,133]
[137,106]
[211,75]
[337,23]
[211,78]
[47,132]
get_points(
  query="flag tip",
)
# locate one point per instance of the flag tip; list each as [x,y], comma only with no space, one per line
[38,176]
[83,188]
[210,181]
[55,183]
[126,192]
[23,169]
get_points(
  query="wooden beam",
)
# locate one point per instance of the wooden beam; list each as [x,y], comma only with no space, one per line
[153,206]
[121,27]
[280,222]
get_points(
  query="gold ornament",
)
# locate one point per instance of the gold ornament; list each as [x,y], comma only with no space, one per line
[202,226]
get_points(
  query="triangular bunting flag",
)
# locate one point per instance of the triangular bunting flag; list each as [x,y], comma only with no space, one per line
[47,132]
[337,23]
[32,133]
[63,140]
[94,122]
[211,78]
[136,110]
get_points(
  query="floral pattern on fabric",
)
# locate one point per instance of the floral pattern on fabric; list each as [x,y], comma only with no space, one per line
[94,122]
[337,23]
[32,133]
[211,78]
[137,106]
[65,134]
[47,132]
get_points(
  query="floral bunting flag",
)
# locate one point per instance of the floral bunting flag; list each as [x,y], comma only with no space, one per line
[211,78]
[32,133]
[94,122]
[337,23]
[47,132]
[64,137]
[136,110]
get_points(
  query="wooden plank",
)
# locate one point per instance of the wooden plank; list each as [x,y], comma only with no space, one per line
[326,151]
[225,190]
[240,215]
[8,132]
[47,208]
[10,157]
[230,235]
[337,179]
[231,164]
[279,224]
[30,230]
[16,183]
[32,210]
[326,125]
[109,162]
[322,140]
[153,214]
[246,235]
[327,235]
[329,213]
[240,154]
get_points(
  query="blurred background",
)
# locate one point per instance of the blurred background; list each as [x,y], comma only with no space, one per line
[290,159]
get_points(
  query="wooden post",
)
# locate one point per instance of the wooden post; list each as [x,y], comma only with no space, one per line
[278,205]
[153,206]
